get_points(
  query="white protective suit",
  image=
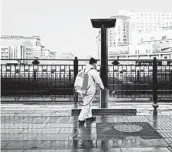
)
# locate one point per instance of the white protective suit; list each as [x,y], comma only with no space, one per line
[94,79]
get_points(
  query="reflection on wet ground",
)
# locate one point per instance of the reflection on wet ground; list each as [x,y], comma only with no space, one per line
[40,130]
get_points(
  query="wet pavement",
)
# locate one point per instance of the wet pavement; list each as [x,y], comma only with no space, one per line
[50,127]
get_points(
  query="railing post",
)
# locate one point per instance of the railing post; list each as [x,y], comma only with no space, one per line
[69,75]
[138,75]
[75,74]
[35,63]
[34,75]
[171,75]
[155,105]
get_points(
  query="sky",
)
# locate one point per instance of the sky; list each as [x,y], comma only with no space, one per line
[64,25]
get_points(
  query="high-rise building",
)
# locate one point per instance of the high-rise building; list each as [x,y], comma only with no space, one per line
[140,34]
[147,21]
[119,36]
[140,22]
[20,47]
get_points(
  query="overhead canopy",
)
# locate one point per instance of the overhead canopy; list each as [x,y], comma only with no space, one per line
[106,23]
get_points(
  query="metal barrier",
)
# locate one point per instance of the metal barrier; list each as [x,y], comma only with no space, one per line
[130,79]
[46,79]
[151,79]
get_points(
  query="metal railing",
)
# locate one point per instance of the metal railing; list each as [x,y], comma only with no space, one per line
[150,79]
[54,79]
[143,80]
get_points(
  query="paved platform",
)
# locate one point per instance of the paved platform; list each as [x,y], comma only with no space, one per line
[50,127]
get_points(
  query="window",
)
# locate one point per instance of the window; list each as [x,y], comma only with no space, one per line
[164,37]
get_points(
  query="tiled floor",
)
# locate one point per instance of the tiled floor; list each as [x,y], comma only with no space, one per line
[52,128]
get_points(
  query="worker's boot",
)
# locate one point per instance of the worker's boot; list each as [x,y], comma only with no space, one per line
[81,123]
[91,119]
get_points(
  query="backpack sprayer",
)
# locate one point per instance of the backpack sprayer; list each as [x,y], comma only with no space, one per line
[81,84]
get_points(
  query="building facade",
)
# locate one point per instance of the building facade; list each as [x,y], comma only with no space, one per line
[119,36]
[140,35]
[19,47]
[47,54]
[66,55]
[143,22]
[153,44]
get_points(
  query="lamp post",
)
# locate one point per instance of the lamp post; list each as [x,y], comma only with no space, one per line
[104,24]
[98,43]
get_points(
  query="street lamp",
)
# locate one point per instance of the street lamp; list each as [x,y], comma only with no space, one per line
[104,24]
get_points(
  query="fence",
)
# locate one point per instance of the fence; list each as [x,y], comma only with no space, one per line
[130,79]
[45,79]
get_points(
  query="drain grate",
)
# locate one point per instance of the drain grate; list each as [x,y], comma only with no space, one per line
[124,129]
[127,128]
